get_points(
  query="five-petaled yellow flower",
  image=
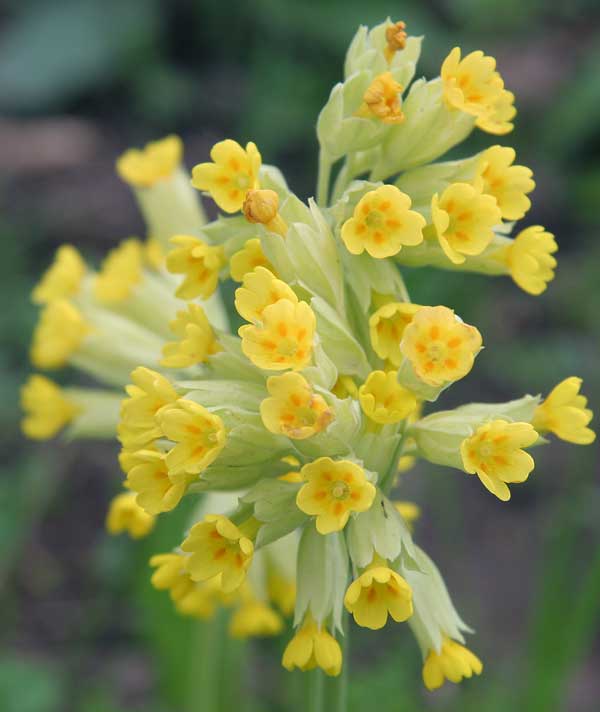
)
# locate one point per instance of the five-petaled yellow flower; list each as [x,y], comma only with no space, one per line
[453,662]
[565,413]
[259,290]
[254,618]
[386,327]
[283,339]
[382,223]
[232,173]
[440,347]
[196,339]
[509,184]
[125,515]
[333,490]
[464,218]
[382,100]
[157,161]
[494,452]
[199,262]
[294,409]
[530,259]
[377,592]
[217,546]
[62,279]
[248,258]
[313,646]
[199,434]
[47,409]
[58,334]
[384,400]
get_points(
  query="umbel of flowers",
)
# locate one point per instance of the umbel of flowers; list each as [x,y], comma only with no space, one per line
[292,432]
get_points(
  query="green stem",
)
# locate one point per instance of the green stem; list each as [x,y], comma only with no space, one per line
[315,689]
[403,290]
[338,686]
[205,664]
[323,179]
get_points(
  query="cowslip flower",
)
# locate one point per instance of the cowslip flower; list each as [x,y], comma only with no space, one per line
[63,279]
[247,259]
[384,400]
[334,489]
[382,223]
[125,515]
[494,452]
[148,476]
[217,546]
[198,262]
[199,436]
[452,662]
[121,271]
[377,592]
[259,290]
[283,339]
[440,347]
[254,618]
[382,100]
[464,218]
[565,413]
[294,409]
[196,340]
[47,409]
[313,646]
[509,184]
[530,260]
[156,161]
[232,173]
[262,207]
[59,333]
[386,327]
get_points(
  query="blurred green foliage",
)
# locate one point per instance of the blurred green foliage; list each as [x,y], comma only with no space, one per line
[82,629]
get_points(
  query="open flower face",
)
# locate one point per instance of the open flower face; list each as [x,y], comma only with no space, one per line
[382,223]
[333,490]
[439,346]
[232,173]
[382,100]
[386,327]
[293,408]
[494,452]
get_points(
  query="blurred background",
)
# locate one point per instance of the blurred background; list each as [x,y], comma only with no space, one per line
[80,81]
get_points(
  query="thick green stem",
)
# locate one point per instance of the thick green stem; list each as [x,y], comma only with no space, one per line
[315,690]
[205,664]
[323,179]
[337,698]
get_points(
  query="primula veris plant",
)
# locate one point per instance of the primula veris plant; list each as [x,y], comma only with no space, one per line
[292,433]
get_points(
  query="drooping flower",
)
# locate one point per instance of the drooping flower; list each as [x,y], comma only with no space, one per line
[247,259]
[565,413]
[196,340]
[386,327]
[313,646]
[453,662]
[125,515]
[382,223]
[58,334]
[259,290]
[334,489]
[254,618]
[47,409]
[198,262]
[508,183]
[62,279]
[494,452]
[382,100]
[384,400]
[156,161]
[529,259]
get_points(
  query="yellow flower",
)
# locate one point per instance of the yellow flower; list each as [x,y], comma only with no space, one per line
[284,339]
[199,262]
[382,100]
[377,592]
[345,387]
[254,619]
[121,271]
[454,662]
[529,259]
[294,409]
[313,647]
[262,206]
[196,339]
[386,327]
[409,511]
[47,410]
[199,434]
[217,546]
[384,400]
[58,334]
[440,347]
[247,259]
[333,490]
[464,219]
[395,36]
[282,592]
[62,279]
[232,173]
[202,600]
[509,184]
[154,255]
[125,515]
[406,463]
[473,85]
[565,413]
[259,290]
[148,476]
[494,453]
[148,393]
[171,575]
[156,161]
[382,223]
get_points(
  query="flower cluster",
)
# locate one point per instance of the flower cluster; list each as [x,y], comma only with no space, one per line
[293,432]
